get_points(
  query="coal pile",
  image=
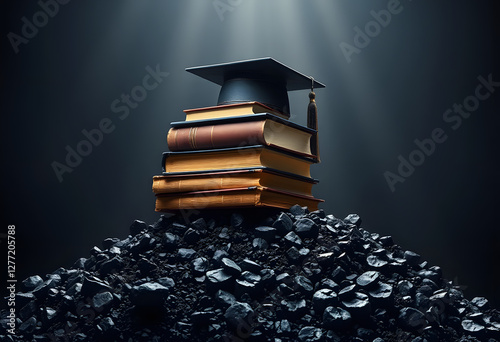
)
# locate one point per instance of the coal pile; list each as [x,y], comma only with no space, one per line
[249,276]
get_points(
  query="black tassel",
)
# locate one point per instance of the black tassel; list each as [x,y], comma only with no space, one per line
[312,122]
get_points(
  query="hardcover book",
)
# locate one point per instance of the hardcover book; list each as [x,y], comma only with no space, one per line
[231,179]
[237,157]
[263,129]
[239,197]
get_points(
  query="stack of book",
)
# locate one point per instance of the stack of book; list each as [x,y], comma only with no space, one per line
[238,155]
[241,154]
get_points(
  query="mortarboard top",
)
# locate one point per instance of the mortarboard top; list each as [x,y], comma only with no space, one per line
[264,80]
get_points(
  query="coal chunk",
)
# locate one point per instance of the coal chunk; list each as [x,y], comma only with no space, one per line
[353,219]
[266,233]
[292,239]
[32,282]
[200,266]
[412,319]
[239,314]
[249,265]
[306,228]
[137,227]
[149,294]
[230,267]
[368,279]
[310,334]
[283,224]
[335,318]
[186,253]
[294,309]
[322,299]
[102,301]
[359,306]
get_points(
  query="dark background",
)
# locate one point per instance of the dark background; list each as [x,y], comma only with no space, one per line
[429,56]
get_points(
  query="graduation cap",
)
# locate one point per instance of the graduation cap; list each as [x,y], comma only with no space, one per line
[264,80]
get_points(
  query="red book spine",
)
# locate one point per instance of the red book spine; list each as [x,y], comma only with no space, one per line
[216,136]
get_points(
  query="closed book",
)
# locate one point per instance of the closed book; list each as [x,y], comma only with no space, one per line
[230,110]
[232,179]
[237,158]
[262,129]
[239,197]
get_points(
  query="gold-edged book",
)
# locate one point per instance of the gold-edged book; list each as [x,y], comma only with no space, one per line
[237,109]
[232,179]
[230,198]
[257,156]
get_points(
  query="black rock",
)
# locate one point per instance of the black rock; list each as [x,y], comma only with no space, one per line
[28,310]
[386,241]
[114,264]
[186,253]
[28,326]
[310,334]
[306,228]
[31,283]
[199,225]
[239,314]
[303,284]
[249,265]
[322,299]
[338,274]
[368,279]
[382,295]
[293,254]
[191,236]
[224,298]
[266,233]
[202,318]
[283,327]
[335,318]
[347,292]
[359,307]
[218,279]
[471,327]
[91,285]
[297,210]
[200,266]
[406,288]
[248,283]
[102,301]
[412,319]
[149,294]
[260,244]
[294,309]
[230,267]
[412,258]
[283,224]
[292,239]
[480,302]
[353,219]
[170,241]
[137,227]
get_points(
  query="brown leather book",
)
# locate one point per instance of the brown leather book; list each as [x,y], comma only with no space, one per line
[232,179]
[239,197]
[266,131]
[230,110]
[239,157]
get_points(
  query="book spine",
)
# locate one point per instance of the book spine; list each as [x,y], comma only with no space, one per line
[216,136]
